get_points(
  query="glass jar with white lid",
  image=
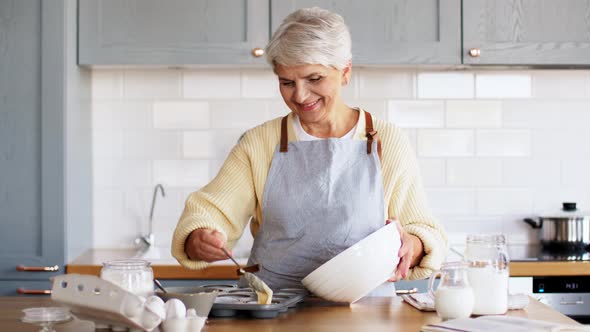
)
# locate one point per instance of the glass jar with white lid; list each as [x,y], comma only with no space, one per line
[487,261]
[133,275]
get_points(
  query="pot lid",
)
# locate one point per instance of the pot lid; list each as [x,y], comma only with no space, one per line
[568,210]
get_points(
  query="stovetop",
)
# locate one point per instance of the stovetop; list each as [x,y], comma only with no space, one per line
[537,253]
[524,253]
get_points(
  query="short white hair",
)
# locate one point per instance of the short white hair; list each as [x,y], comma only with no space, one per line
[311,36]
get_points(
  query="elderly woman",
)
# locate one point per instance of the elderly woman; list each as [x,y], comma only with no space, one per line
[315,181]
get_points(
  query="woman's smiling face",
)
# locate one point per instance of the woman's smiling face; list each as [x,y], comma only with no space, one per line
[312,92]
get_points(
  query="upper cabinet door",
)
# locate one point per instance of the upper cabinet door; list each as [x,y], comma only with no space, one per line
[171,32]
[526,32]
[392,31]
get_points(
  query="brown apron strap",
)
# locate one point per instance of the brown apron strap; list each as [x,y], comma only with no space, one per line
[284,134]
[371,135]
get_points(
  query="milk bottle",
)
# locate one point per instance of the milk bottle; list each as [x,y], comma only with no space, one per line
[487,269]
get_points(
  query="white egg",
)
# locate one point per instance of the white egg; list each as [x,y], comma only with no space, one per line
[175,309]
[156,307]
[154,298]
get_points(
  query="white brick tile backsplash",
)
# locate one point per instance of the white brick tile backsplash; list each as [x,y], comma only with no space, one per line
[506,143]
[350,91]
[211,84]
[152,84]
[561,143]
[383,83]
[474,172]
[546,114]
[121,115]
[445,85]
[119,173]
[377,107]
[473,114]
[225,140]
[242,114]
[107,84]
[107,144]
[548,199]
[138,203]
[259,84]
[492,146]
[152,144]
[451,201]
[198,144]
[531,172]
[432,171]
[492,201]
[180,173]
[443,142]
[181,115]
[561,84]
[104,237]
[108,203]
[506,84]
[575,172]
[416,113]
[277,108]
[459,227]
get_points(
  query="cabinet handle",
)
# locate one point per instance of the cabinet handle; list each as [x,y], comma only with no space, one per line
[474,52]
[23,268]
[21,290]
[406,291]
[257,52]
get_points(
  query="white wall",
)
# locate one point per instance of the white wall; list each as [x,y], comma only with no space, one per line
[493,146]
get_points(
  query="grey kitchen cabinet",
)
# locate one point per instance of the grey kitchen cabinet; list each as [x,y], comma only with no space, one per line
[225,32]
[389,32]
[45,173]
[174,32]
[421,285]
[526,32]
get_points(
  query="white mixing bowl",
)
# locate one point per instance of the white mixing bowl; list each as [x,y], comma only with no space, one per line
[358,270]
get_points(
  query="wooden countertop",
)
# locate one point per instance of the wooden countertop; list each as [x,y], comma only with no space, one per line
[369,314]
[165,267]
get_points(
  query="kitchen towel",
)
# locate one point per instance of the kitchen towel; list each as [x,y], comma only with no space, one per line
[425,302]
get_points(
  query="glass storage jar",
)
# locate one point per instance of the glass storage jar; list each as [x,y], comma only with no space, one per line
[487,261]
[133,275]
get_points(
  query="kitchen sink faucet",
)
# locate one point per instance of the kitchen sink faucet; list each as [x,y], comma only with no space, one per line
[150,239]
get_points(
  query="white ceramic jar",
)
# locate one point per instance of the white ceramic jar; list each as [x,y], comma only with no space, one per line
[487,260]
[133,275]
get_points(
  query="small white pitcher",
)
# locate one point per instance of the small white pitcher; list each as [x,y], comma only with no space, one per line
[454,296]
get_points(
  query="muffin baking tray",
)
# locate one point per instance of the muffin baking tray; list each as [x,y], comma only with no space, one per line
[233,301]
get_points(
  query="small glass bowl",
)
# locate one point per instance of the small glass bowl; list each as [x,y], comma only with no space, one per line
[46,317]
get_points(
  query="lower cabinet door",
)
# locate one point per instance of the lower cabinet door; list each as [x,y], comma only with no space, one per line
[25,288]
[412,286]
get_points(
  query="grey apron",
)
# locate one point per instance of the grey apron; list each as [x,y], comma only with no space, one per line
[320,198]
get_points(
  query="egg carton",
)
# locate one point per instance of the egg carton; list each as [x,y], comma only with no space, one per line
[233,301]
[92,298]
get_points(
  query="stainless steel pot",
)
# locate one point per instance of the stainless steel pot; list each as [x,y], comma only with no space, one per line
[567,229]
